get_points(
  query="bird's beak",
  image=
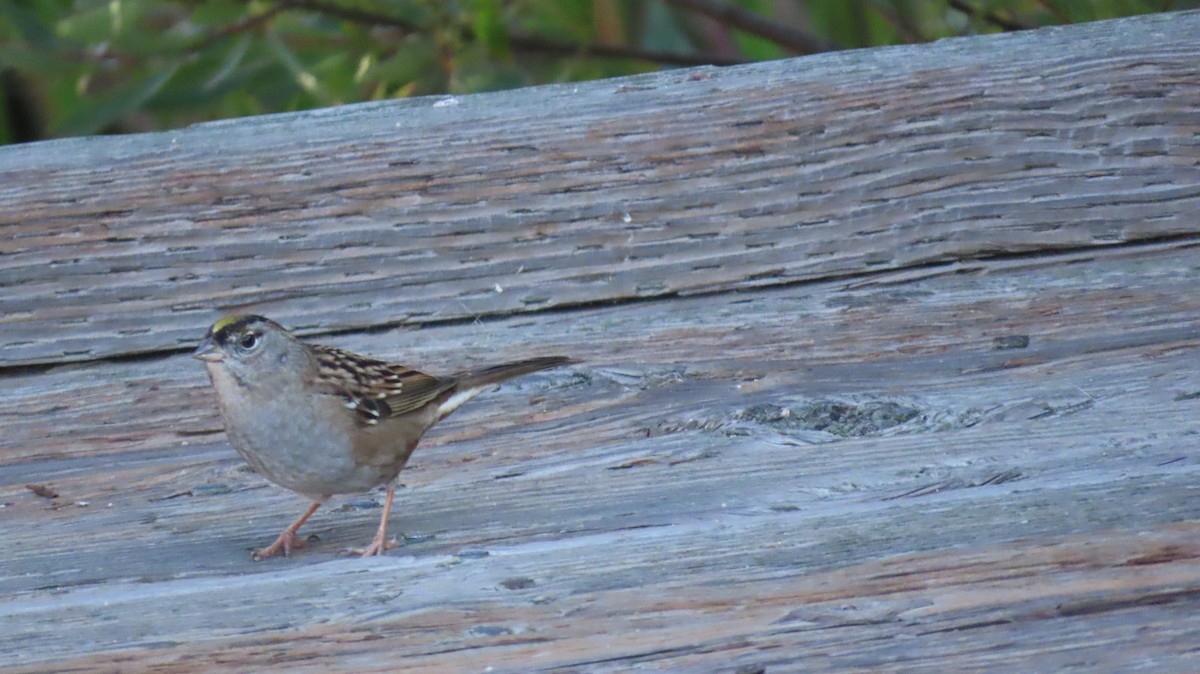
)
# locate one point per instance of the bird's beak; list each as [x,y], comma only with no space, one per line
[208,351]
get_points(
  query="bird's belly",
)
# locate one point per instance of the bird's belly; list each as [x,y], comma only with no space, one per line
[315,461]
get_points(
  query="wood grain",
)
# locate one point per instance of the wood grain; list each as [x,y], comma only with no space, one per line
[693,181]
[662,487]
[961,438]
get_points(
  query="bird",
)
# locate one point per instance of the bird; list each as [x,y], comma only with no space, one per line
[321,421]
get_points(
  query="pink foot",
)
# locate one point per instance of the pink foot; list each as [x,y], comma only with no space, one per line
[377,547]
[286,542]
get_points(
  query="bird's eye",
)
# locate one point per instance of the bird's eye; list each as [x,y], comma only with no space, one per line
[248,341]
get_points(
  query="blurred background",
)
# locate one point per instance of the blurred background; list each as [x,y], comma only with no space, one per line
[83,67]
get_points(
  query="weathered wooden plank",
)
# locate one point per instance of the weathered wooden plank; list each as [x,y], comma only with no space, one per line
[907,613]
[900,465]
[697,180]
[835,336]
[1035,512]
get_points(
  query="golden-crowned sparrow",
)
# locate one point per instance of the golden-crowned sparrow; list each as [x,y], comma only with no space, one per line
[322,421]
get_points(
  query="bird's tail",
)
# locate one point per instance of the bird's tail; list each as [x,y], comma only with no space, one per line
[498,373]
[473,382]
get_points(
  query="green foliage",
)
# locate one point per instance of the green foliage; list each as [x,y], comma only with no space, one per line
[78,67]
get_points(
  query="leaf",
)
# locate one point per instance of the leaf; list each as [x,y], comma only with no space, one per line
[233,58]
[844,22]
[413,57]
[28,24]
[301,75]
[94,117]
[487,23]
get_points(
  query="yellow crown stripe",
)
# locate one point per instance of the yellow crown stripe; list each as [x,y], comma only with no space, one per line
[224,324]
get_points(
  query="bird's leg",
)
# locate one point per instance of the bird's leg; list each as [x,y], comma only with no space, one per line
[287,540]
[380,543]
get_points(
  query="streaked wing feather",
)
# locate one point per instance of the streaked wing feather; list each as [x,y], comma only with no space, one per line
[375,389]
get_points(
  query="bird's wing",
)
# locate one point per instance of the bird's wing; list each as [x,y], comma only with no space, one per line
[375,389]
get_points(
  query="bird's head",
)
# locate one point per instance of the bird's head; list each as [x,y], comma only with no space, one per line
[245,343]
